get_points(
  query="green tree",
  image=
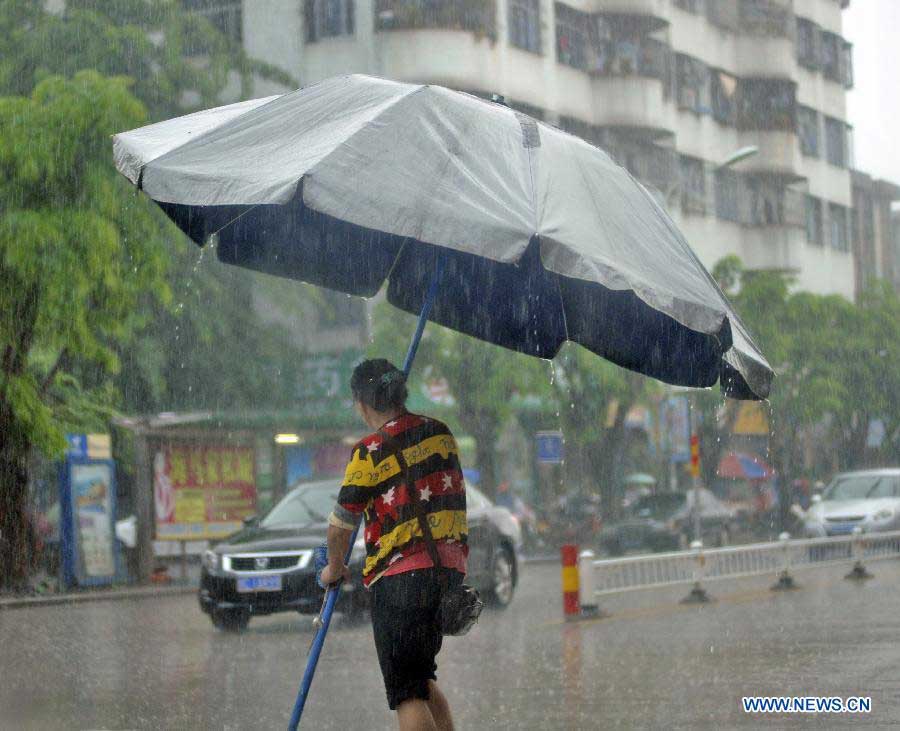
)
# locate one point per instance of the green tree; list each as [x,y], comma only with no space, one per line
[63,203]
[594,398]
[482,378]
[869,376]
[178,59]
[210,349]
[77,253]
[835,364]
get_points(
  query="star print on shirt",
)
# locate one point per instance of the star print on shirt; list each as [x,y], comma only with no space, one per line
[388,498]
[373,445]
[425,494]
[391,423]
[448,482]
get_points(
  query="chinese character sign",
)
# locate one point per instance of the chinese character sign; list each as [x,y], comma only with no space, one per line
[93,513]
[202,491]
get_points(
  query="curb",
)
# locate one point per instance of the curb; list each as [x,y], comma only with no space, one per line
[149,592]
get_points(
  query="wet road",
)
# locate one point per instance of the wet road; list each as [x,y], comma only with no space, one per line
[159,664]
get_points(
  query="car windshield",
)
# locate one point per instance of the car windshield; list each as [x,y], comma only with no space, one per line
[657,506]
[306,504]
[861,487]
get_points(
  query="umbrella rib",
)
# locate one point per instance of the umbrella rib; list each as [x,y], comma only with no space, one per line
[562,306]
[235,219]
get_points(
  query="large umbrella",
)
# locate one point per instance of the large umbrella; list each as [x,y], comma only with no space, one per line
[357,180]
[741,466]
[478,217]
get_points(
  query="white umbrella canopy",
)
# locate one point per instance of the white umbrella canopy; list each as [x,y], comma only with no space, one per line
[358,180]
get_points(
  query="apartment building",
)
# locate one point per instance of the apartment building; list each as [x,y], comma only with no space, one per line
[876,231]
[670,88]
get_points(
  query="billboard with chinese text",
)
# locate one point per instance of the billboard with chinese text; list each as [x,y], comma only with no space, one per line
[202,491]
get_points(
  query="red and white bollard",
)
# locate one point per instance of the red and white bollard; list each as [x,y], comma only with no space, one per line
[570,583]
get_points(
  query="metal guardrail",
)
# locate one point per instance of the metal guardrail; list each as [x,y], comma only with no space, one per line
[698,565]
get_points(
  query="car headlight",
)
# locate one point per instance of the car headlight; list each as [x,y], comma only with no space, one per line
[884,514]
[211,560]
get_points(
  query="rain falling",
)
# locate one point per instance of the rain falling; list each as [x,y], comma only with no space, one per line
[433,364]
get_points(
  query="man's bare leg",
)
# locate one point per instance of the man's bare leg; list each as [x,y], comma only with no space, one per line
[414,714]
[440,709]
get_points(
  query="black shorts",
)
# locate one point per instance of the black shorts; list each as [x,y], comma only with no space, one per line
[407,632]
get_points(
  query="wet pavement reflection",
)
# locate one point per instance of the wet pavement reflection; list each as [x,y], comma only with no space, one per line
[159,663]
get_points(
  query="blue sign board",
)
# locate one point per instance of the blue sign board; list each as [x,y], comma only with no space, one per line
[90,551]
[549,447]
[78,445]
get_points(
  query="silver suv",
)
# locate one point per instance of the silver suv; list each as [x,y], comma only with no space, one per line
[868,499]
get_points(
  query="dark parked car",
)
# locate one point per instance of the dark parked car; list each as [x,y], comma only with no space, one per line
[663,522]
[268,566]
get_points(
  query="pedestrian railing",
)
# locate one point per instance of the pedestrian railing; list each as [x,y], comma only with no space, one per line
[699,565]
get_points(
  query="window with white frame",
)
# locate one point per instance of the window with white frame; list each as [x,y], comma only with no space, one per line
[525,24]
[693,185]
[839,237]
[572,36]
[328,19]
[836,142]
[808,43]
[808,131]
[692,84]
[728,196]
[225,15]
[813,221]
[831,56]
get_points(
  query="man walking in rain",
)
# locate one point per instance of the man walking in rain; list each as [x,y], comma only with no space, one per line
[405,584]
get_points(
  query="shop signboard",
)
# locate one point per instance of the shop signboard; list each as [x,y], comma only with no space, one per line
[90,552]
[549,447]
[202,491]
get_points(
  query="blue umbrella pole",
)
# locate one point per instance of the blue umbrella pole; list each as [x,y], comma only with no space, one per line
[333,593]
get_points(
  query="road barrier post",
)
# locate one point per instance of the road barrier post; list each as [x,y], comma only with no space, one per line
[570,582]
[587,586]
[785,580]
[858,572]
[697,594]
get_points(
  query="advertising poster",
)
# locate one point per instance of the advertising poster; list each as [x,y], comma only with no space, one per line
[202,491]
[675,428]
[92,508]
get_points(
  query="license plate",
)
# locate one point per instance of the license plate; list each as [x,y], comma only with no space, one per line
[841,528]
[258,583]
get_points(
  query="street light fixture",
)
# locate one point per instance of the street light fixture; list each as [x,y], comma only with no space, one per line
[734,158]
[738,156]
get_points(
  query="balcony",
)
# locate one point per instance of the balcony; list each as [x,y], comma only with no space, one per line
[632,84]
[475,16]
[642,16]
[766,18]
[779,154]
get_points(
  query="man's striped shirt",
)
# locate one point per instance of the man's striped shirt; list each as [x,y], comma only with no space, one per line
[374,487]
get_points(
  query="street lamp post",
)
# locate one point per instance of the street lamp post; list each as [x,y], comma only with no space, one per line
[734,158]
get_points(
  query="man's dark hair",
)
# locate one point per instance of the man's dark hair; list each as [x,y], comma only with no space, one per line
[379,384]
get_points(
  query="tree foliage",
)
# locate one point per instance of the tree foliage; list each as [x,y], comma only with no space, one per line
[177,59]
[836,368]
[77,254]
[93,276]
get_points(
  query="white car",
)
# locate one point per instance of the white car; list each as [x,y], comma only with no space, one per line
[869,500]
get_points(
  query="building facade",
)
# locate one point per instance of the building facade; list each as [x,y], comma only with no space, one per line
[670,88]
[876,236]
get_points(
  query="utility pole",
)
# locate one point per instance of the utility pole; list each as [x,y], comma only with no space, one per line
[695,475]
